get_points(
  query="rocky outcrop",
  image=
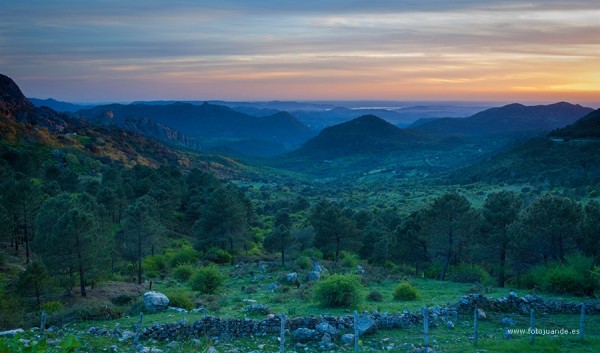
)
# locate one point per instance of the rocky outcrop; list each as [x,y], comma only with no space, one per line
[12,100]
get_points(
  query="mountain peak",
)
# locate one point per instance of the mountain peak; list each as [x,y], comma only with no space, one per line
[363,135]
[12,99]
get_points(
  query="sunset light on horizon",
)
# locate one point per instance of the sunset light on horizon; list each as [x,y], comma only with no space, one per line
[101,51]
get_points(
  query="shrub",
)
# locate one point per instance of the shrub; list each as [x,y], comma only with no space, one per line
[465,273]
[375,296]
[433,271]
[52,306]
[564,279]
[206,280]
[185,255]
[218,256]
[313,253]
[304,263]
[348,260]
[180,300]
[183,272]
[153,265]
[338,291]
[405,291]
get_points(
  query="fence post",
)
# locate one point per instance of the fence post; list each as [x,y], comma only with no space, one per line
[282,335]
[43,324]
[425,313]
[355,331]
[581,321]
[531,326]
[475,326]
[138,329]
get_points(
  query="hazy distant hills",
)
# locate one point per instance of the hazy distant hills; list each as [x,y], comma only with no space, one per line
[510,119]
[214,125]
[63,107]
[363,135]
[586,127]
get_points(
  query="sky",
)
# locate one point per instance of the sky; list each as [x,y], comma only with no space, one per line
[467,50]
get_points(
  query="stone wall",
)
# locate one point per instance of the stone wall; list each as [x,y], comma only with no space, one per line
[229,328]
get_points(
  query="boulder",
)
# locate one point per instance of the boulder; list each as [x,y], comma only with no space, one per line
[325,328]
[481,315]
[291,277]
[313,276]
[366,325]
[348,338]
[305,335]
[272,286]
[155,301]
[507,321]
[316,267]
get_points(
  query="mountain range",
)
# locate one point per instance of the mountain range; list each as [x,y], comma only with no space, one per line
[207,124]
[512,119]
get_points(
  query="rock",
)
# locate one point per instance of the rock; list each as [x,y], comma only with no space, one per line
[449,324]
[199,310]
[366,325]
[127,335]
[291,277]
[155,301]
[422,350]
[251,301]
[179,310]
[507,321]
[257,308]
[360,269]
[316,267]
[151,350]
[211,349]
[172,345]
[313,276]
[325,328]
[326,338]
[305,335]
[348,338]
[481,314]
[272,286]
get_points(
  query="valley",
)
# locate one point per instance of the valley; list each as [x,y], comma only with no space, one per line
[241,212]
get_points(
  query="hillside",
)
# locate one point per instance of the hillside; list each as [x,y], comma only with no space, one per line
[367,134]
[208,122]
[586,127]
[512,119]
[24,127]
[538,161]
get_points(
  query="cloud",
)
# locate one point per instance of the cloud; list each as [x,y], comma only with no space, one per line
[198,46]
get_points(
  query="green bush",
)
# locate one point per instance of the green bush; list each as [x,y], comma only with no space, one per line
[339,291]
[405,291]
[313,253]
[180,300]
[153,265]
[304,263]
[185,255]
[466,273]
[375,296]
[218,256]
[564,279]
[183,272]
[348,259]
[433,271]
[52,306]
[206,280]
